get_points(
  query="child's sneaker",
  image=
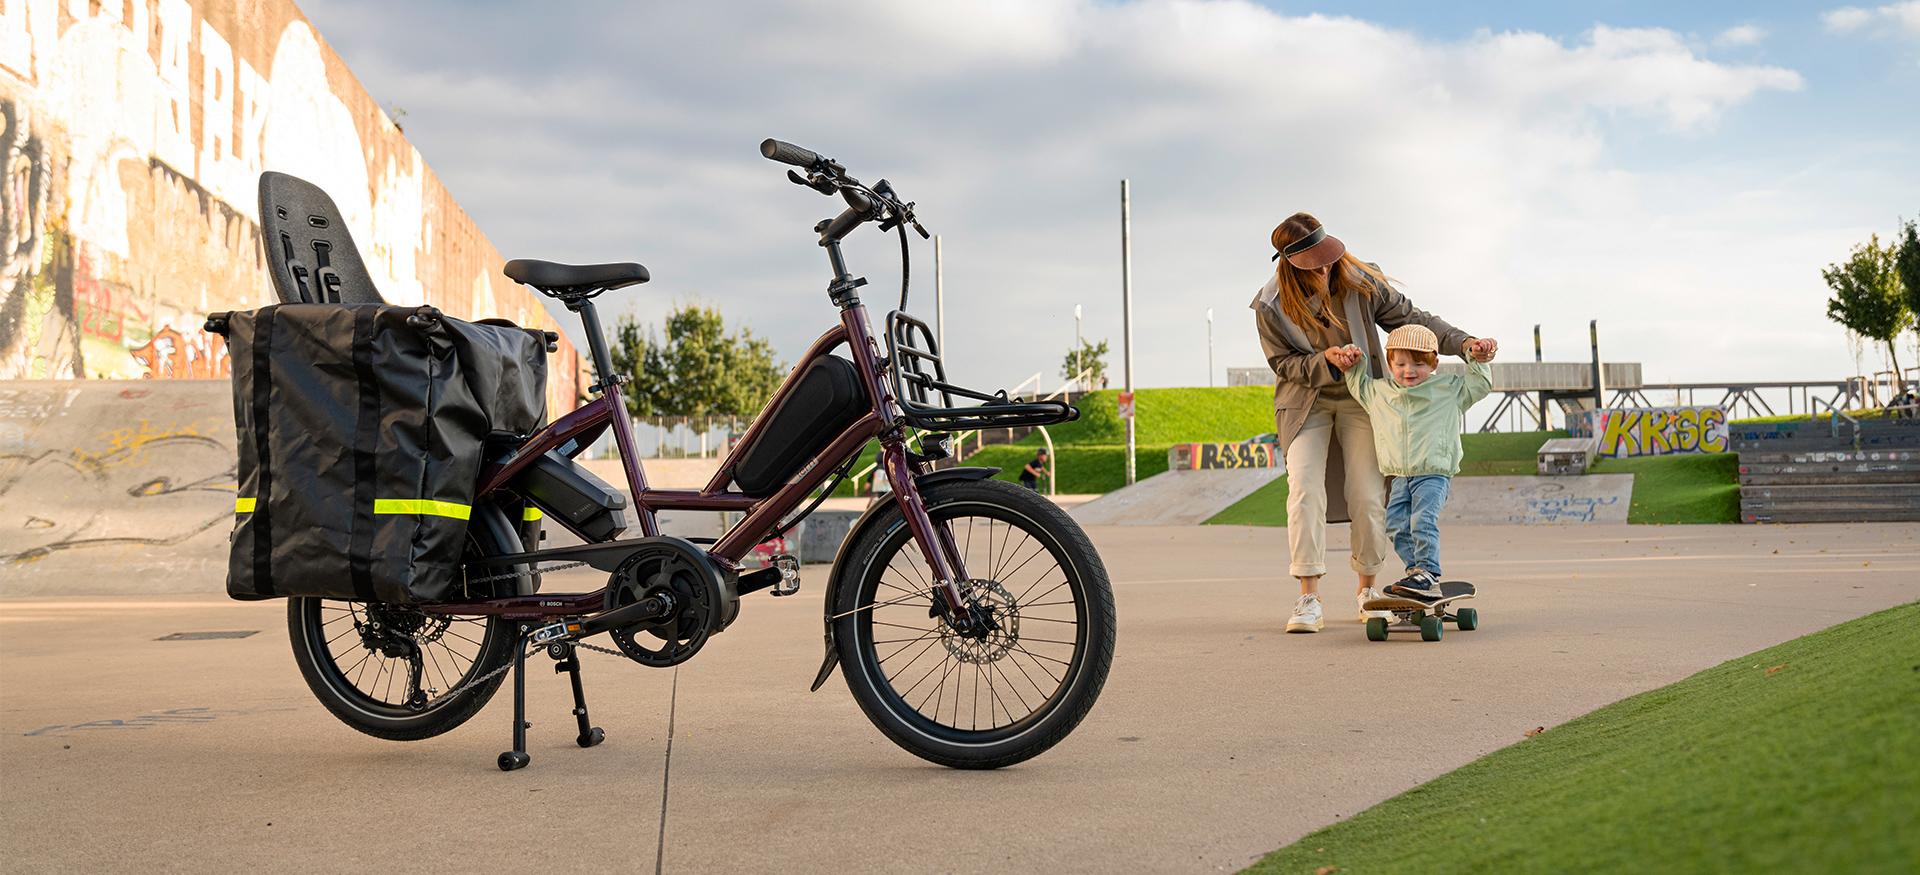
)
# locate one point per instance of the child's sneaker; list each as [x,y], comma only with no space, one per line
[1367,595]
[1418,585]
[1306,615]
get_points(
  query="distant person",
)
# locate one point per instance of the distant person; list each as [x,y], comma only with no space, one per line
[1031,473]
[1417,443]
[1322,297]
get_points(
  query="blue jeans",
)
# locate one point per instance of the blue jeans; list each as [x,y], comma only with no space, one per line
[1413,519]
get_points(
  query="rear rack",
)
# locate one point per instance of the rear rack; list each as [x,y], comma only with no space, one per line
[926,398]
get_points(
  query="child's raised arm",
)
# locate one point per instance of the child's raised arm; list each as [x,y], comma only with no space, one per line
[1478,383]
[1358,376]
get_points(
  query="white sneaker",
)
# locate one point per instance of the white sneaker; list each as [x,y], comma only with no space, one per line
[1367,595]
[1306,615]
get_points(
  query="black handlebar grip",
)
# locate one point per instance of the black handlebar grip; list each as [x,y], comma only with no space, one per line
[788,153]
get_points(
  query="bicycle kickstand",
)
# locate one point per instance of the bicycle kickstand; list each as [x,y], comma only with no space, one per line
[517,758]
[568,660]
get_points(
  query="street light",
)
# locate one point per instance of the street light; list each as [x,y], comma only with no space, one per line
[1079,364]
[1209,347]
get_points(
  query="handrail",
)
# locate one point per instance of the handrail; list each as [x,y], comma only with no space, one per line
[1833,423]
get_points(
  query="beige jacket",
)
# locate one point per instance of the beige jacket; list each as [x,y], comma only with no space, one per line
[1300,371]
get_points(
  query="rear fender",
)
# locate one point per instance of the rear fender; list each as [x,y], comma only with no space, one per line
[859,527]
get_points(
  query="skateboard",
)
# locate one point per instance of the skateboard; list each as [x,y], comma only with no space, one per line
[1428,617]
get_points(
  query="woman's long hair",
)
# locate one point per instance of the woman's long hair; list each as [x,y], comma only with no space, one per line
[1350,276]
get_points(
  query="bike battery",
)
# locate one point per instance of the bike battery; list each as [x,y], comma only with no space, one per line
[585,502]
[825,400]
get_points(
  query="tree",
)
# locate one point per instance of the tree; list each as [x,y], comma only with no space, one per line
[1091,357]
[1906,266]
[1866,297]
[698,370]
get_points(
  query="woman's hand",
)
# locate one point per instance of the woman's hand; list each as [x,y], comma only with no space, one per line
[1343,357]
[1482,349]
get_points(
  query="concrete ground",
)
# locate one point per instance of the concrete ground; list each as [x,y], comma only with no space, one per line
[1218,737]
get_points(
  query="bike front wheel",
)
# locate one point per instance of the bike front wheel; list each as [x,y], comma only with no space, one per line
[981,700]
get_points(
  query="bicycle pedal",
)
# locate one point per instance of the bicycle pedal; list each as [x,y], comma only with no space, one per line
[552,632]
[789,575]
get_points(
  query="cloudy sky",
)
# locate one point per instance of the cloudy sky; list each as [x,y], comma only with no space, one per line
[1680,172]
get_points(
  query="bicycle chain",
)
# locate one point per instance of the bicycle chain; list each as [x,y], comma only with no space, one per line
[509,664]
[493,577]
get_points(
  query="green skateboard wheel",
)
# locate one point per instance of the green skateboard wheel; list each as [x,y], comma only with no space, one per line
[1376,628]
[1430,628]
[1469,619]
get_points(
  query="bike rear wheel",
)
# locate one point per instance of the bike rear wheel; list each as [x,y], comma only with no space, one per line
[988,701]
[369,689]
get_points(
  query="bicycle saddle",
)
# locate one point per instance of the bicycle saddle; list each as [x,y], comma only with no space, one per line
[573,280]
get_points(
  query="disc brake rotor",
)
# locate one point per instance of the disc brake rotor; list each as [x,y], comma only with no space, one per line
[990,598]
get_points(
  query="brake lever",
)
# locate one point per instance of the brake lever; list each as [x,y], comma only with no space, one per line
[816,182]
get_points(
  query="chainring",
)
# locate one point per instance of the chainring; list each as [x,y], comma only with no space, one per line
[698,593]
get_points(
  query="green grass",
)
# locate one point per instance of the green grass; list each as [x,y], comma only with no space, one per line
[1163,417]
[1803,757]
[1512,453]
[1680,489]
[1266,506]
[1857,413]
[1082,470]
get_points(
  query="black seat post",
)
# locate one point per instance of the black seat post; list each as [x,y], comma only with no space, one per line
[596,342]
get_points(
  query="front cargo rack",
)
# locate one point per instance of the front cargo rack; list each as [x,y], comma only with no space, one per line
[926,398]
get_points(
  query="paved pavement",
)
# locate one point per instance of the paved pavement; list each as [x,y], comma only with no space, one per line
[1218,737]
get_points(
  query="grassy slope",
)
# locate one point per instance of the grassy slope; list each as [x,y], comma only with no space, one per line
[1680,489]
[1801,757]
[1482,454]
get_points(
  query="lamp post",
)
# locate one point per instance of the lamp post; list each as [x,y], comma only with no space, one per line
[1209,347]
[1079,363]
[1126,309]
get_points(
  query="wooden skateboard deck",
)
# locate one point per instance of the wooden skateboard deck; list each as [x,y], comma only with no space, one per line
[1428,617]
[1450,591]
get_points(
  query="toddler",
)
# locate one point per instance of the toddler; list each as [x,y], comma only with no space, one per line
[1416,417]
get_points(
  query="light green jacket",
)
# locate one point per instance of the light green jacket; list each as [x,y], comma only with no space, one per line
[1416,430]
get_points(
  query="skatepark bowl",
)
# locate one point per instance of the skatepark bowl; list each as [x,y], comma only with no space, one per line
[153,723]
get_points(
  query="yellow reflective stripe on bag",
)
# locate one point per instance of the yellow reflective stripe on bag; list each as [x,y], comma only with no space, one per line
[243,505]
[531,514]
[422,507]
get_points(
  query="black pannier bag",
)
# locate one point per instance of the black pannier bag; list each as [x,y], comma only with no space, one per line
[826,400]
[360,436]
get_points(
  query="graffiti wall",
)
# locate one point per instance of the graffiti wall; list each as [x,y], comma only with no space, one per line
[1660,431]
[134,135]
[1206,457]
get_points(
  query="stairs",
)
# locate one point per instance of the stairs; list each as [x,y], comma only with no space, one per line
[1800,472]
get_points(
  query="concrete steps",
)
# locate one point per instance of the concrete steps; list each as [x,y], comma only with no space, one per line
[1800,472]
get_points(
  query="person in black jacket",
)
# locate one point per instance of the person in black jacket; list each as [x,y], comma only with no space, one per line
[1031,473]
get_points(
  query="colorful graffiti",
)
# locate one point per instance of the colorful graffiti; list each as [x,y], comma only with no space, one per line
[1661,431]
[1198,457]
[134,135]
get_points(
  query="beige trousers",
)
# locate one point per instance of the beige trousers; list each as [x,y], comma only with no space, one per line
[1307,489]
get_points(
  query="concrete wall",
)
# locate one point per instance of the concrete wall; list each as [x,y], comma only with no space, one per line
[134,135]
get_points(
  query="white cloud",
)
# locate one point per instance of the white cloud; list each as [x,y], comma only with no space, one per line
[1741,35]
[1491,173]
[1903,16]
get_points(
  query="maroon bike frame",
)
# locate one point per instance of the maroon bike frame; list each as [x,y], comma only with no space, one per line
[762,514]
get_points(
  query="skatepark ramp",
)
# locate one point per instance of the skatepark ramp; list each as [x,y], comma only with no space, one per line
[110,486]
[1174,498]
[1815,471]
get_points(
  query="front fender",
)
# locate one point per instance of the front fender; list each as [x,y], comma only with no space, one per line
[854,532]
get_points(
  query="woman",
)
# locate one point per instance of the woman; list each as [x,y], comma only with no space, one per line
[1320,297]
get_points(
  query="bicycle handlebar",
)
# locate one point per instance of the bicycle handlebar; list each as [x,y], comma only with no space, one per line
[788,153]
